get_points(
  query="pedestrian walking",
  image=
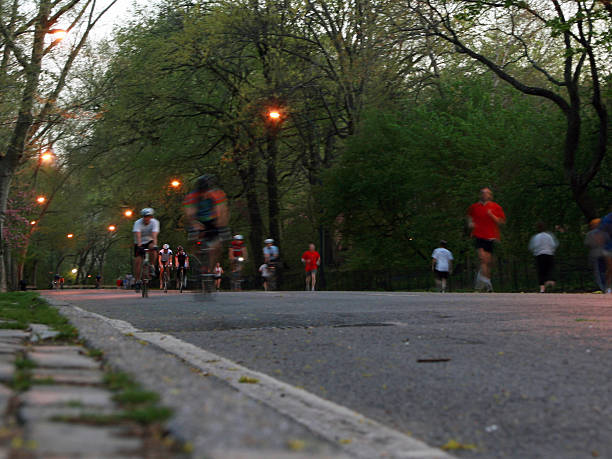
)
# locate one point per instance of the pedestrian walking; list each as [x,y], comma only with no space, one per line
[441,265]
[484,218]
[312,261]
[595,240]
[543,245]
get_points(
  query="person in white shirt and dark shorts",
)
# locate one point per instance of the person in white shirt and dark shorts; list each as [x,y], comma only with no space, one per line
[543,246]
[442,265]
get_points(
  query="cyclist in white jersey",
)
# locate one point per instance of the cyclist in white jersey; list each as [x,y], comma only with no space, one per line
[146,230]
[165,257]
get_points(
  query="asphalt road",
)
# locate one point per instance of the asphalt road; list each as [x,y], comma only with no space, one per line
[514,375]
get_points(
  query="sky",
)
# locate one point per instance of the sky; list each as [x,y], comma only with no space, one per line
[118,13]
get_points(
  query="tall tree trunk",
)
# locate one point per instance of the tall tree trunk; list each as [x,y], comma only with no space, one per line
[16,146]
[272,186]
[247,175]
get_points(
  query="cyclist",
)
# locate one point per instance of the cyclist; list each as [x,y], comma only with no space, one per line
[237,256]
[208,217]
[146,230]
[270,252]
[165,257]
[181,261]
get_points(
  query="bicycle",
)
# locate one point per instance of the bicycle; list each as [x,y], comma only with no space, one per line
[237,274]
[205,279]
[166,279]
[180,280]
[147,272]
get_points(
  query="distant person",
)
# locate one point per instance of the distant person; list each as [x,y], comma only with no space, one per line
[23,285]
[98,280]
[312,261]
[218,273]
[543,245]
[145,231]
[484,218]
[442,265]
[265,274]
[61,282]
[595,240]
[606,226]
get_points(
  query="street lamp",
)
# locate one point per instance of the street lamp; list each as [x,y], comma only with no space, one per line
[128,213]
[33,222]
[41,199]
[112,228]
[175,183]
[69,235]
[47,156]
[74,270]
[274,115]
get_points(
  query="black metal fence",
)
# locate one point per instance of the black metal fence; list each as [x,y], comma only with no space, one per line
[509,275]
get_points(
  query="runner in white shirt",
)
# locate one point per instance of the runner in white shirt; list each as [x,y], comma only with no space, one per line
[543,246]
[442,265]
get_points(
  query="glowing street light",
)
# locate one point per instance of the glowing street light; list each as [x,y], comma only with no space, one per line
[69,235]
[33,222]
[128,213]
[175,183]
[112,228]
[41,199]
[274,115]
[58,34]
[74,270]
[47,156]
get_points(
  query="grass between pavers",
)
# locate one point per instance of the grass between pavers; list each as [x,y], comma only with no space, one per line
[24,308]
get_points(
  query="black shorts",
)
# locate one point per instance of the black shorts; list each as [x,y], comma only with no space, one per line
[441,274]
[484,244]
[139,250]
[545,265]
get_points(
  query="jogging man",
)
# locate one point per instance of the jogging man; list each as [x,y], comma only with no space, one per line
[181,261]
[484,218]
[312,261]
[165,258]
[208,217]
[145,230]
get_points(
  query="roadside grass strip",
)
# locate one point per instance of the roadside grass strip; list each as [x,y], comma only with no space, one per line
[136,409]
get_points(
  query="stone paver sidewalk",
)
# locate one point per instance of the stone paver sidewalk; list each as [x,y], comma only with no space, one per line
[65,411]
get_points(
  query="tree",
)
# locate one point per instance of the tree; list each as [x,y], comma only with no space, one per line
[564,46]
[24,45]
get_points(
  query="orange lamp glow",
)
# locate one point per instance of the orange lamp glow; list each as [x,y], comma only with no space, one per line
[47,156]
[33,222]
[175,183]
[128,213]
[69,235]
[274,114]
[112,227]
[41,199]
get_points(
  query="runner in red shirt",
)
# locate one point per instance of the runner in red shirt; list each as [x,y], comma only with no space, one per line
[484,218]
[311,260]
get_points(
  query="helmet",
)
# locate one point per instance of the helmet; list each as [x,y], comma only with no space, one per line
[179,248]
[166,246]
[269,241]
[147,212]
[238,237]
[205,182]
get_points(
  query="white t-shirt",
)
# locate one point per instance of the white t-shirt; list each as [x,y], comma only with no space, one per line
[146,231]
[263,269]
[443,257]
[543,244]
